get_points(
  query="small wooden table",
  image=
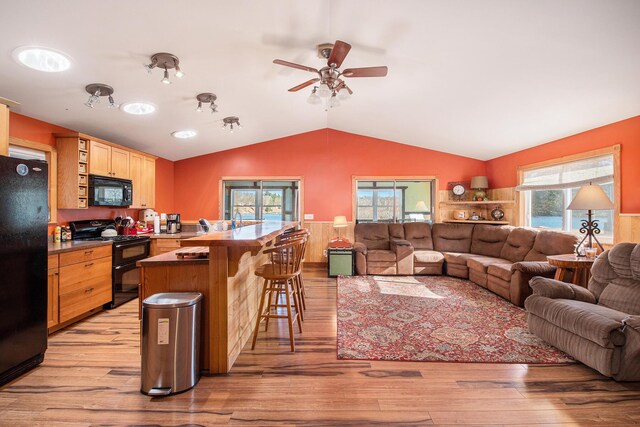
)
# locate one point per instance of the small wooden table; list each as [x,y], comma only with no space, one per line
[579,266]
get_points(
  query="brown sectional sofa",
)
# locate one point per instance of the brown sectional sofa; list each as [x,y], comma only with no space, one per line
[500,258]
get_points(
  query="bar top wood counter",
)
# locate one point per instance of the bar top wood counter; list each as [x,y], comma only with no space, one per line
[231,289]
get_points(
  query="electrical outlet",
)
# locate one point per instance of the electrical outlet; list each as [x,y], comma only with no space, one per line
[308,217]
[324,253]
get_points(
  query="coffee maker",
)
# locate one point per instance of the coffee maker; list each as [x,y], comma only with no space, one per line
[173,223]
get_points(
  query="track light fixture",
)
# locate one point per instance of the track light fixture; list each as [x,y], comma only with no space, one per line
[167,62]
[207,98]
[96,90]
[229,122]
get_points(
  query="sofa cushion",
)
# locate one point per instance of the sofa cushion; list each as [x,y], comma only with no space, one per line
[481,263]
[596,323]
[379,255]
[452,237]
[488,239]
[551,243]
[428,257]
[458,258]
[518,244]
[419,234]
[373,235]
[503,271]
[396,231]
[618,270]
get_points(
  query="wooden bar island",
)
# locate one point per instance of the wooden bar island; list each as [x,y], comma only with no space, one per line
[226,279]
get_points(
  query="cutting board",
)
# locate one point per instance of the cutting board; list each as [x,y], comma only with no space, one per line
[194,252]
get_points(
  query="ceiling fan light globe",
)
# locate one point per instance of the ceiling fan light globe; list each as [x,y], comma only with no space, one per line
[314,99]
[334,102]
[343,95]
[324,91]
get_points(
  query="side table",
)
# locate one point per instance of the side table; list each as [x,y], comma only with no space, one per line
[579,266]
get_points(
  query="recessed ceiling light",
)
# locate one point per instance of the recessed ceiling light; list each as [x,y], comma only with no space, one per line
[138,108]
[42,58]
[184,134]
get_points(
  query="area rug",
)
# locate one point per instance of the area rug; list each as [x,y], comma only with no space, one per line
[433,318]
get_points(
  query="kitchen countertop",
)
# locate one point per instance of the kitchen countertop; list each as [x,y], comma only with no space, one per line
[185,235]
[74,245]
[256,235]
[170,258]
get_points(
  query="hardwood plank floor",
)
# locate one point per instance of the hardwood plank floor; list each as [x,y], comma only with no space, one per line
[91,376]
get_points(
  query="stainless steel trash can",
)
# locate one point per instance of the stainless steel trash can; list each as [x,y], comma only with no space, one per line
[170,343]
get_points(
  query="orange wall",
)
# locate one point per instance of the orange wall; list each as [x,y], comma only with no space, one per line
[502,171]
[24,127]
[326,159]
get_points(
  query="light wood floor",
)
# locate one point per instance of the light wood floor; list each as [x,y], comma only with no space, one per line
[91,376]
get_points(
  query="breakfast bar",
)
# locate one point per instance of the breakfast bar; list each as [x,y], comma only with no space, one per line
[227,281]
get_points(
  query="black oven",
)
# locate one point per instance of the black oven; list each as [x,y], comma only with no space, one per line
[105,191]
[126,275]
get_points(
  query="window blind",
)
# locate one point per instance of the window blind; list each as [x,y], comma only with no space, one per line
[26,153]
[596,170]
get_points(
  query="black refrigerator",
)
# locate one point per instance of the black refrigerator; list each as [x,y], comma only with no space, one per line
[23,265]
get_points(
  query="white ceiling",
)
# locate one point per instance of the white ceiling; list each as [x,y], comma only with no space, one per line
[478,78]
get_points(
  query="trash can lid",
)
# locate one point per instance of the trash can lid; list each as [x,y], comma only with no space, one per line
[172,299]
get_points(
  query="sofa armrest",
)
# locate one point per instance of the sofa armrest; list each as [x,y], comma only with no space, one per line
[534,268]
[360,247]
[632,321]
[396,243]
[556,289]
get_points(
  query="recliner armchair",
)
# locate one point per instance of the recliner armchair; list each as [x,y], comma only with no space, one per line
[599,326]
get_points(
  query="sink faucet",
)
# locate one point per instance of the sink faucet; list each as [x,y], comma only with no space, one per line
[235,216]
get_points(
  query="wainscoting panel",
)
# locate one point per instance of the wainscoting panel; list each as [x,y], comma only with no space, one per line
[629,228]
[321,233]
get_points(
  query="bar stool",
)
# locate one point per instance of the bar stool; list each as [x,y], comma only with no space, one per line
[279,278]
[299,281]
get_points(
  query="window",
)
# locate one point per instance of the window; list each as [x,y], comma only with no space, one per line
[261,200]
[549,190]
[394,201]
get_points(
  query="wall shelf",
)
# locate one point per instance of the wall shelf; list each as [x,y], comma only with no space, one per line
[484,202]
[479,221]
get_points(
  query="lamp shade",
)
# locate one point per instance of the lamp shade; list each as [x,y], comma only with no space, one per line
[340,221]
[421,206]
[479,182]
[590,197]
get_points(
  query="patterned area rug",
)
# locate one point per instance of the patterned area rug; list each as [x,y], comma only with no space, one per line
[433,318]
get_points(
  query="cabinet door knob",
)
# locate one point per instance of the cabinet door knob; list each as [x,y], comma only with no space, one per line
[88,290]
[88,252]
[88,264]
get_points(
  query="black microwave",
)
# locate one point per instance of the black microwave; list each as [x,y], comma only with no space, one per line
[106,191]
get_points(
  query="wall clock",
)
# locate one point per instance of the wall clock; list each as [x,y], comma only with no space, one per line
[458,190]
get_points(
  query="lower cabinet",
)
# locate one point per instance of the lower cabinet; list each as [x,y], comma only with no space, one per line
[52,291]
[80,283]
[163,245]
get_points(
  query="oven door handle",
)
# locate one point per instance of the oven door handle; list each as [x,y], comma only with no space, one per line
[126,245]
[129,266]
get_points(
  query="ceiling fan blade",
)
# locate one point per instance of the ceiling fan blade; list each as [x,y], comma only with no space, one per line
[303,85]
[338,53]
[365,72]
[292,65]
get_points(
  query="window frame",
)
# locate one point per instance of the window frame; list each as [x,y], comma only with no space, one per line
[612,150]
[51,155]
[434,190]
[299,208]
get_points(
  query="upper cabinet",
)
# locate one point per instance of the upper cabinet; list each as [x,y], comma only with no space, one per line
[107,160]
[142,170]
[80,155]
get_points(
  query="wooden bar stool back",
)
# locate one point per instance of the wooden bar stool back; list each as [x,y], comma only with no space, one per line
[299,282]
[279,278]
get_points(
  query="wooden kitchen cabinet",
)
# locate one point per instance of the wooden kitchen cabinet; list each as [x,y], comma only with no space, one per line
[163,245]
[84,281]
[107,160]
[72,184]
[53,274]
[142,171]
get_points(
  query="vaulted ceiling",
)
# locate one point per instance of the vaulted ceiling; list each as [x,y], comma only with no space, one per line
[477,78]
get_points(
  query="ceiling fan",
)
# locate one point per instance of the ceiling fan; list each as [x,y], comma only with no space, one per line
[330,77]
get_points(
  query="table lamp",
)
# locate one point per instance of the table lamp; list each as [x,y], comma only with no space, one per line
[590,197]
[479,183]
[340,222]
